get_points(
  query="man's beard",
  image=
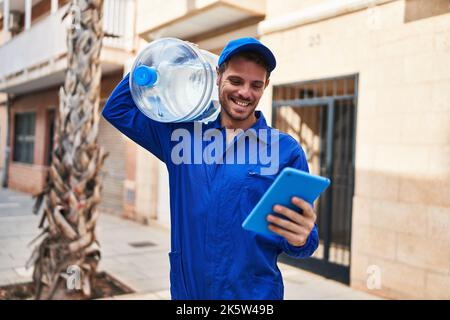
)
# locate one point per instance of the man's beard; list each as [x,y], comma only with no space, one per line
[228,111]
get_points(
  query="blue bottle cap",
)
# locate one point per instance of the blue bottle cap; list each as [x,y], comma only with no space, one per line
[145,76]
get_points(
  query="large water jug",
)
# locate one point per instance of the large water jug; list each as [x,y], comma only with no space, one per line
[174,81]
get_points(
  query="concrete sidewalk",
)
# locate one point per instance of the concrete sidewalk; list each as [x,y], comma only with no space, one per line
[135,254]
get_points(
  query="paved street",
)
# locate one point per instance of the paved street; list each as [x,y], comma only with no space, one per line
[135,254]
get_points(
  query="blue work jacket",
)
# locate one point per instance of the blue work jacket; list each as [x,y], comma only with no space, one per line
[212,256]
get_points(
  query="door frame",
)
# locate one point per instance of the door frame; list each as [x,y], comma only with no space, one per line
[323,266]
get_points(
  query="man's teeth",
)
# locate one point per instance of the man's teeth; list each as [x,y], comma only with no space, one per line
[242,104]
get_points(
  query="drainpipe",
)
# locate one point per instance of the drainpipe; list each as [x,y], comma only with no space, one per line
[8,146]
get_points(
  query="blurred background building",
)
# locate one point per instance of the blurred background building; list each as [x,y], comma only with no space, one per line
[33,55]
[364,85]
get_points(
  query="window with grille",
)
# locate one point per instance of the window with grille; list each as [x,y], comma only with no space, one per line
[51,133]
[24,135]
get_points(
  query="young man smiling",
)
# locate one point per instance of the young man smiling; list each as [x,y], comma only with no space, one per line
[212,256]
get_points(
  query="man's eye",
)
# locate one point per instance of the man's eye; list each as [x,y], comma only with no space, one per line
[235,82]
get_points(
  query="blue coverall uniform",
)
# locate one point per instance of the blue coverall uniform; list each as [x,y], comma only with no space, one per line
[212,256]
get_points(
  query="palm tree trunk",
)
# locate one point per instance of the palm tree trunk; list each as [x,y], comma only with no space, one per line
[72,192]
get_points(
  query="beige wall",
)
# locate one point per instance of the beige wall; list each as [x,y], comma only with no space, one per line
[401,214]
[277,8]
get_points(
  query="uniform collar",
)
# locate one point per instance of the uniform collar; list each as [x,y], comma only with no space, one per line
[259,124]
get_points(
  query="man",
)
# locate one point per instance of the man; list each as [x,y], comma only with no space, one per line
[212,256]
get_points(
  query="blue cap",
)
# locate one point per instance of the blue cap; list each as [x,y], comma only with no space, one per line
[145,76]
[248,44]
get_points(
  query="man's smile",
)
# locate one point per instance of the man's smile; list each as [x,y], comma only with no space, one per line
[239,102]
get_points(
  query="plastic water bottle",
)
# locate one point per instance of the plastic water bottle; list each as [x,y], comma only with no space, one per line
[174,81]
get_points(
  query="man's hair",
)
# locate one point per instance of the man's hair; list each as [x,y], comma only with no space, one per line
[249,56]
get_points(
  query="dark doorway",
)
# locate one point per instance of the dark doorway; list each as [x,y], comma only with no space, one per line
[321,115]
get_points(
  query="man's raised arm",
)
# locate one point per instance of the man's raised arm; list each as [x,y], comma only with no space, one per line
[121,111]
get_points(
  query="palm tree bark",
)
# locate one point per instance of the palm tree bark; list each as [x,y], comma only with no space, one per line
[72,192]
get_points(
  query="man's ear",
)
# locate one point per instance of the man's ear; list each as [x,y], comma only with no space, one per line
[267,83]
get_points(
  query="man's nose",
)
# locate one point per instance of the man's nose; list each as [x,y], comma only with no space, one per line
[244,92]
